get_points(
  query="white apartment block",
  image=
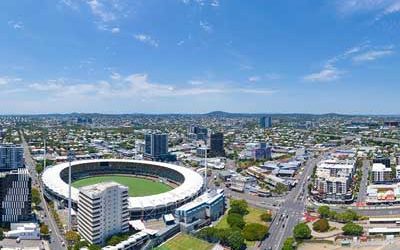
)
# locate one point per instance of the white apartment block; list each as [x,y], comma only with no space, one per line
[398,172]
[330,184]
[380,173]
[334,176]
[102,211]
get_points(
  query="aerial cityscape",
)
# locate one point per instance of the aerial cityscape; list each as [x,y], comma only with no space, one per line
[199,125]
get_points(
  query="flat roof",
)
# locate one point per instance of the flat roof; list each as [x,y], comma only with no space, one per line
[384,230]
[386,219]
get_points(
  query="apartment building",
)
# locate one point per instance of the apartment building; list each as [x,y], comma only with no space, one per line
[102,211]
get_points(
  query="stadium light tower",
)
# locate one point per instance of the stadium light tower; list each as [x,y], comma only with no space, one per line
[205,170]
[44,155]
[70,159]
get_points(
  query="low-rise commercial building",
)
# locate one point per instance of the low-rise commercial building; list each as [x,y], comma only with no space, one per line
[23,231]
[381,173]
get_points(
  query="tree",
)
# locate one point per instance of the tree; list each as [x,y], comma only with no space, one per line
[321,225]
[324,211]
[289,244]
[352,229]
[347,216]
[239,207]
[235,220]
[44,229]
[231,238]
[254,232]
[39,168]
[80,244]
[266,217]
[94,247]
[281,188]
[1,234]
[210,234]
[332,215]
[302,231]
[36,198]
[72,237]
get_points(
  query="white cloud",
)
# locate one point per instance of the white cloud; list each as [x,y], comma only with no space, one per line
[18,25]
[196,82]
[254,78]
[361,53]
[212,3]
[105,12]
[98,9]
[328,73]
[380,7]
[181,42]
[206,26]
[273,76]
[115,76]
[135,85]
[4,80]
[115,30]
[372,55]
[146,39]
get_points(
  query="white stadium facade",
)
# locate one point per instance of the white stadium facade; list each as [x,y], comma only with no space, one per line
[189,183]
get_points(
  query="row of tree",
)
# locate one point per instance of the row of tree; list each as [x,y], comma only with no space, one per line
[238,231]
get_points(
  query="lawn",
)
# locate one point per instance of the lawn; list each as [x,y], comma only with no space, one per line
[137,186]
[185,242]
[252,217]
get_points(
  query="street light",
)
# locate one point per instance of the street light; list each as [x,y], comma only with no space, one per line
[71,157]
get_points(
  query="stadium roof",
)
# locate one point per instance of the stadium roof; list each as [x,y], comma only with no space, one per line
[190,187]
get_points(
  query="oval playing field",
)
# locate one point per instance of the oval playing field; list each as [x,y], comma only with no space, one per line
[137,186]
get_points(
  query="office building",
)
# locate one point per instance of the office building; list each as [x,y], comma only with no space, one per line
[266,122]
[209,206]
[15,196]
[217,145]
[381,173]
[197,132]
[11,157]
[3,133]
[102,211]
[257,151]
[156,147]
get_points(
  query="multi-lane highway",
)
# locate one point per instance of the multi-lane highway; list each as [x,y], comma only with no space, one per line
[364,181]
[291,211]
[56,238]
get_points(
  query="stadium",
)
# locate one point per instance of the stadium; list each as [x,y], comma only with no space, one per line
[183,184]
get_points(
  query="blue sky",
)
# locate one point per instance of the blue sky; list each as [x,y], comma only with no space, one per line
[195,56]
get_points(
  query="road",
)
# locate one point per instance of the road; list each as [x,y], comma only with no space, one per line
[55,236]
[364,181]
[290,212]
